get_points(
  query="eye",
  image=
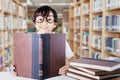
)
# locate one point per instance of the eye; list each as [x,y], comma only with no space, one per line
[41,19]
[49,19]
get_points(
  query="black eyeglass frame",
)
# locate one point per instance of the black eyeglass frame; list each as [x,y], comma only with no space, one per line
[46,17]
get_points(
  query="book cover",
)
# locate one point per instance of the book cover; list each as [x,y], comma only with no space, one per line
[38,56]
[92,76]
[53,54]
[96,72]
[96,64]
[78,76]
[89,70]
[26,55]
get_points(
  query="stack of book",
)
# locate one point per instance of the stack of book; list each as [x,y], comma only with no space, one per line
[94,69]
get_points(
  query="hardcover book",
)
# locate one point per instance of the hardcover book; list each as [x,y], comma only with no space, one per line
[96,64]
[79,72]
[78,76]
[38,56]
[96,72]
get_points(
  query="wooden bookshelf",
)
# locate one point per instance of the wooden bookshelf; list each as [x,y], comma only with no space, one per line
[65,22]
[99,30]
[13,18]
[30,17]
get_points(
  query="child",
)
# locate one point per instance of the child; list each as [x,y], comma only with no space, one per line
[45,20]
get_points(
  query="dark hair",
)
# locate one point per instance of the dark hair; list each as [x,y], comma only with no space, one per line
[44,11]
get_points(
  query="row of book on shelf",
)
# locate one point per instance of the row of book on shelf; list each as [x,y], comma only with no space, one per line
[95,54]
[12,23]
[6,59]
[97,22]
[13,7]
[97,6]
[113,45]
[85,8]
[6,39]
[85,53]
[77,11]
[85,23]
[96,41]
[112,22]
[110,4]
[85,38]
[93,69]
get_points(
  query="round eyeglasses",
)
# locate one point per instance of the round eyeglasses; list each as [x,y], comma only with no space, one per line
[49,19]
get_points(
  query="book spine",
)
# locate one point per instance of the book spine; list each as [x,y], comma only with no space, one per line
[36,61]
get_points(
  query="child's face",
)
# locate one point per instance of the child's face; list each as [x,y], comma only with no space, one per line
[45,24]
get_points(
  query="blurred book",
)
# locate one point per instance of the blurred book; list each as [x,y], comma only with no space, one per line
[96,64]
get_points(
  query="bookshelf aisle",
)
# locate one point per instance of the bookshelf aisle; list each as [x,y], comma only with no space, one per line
[94,29]
[12,19]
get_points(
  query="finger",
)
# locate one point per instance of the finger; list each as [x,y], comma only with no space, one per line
[62,72]
[64,67]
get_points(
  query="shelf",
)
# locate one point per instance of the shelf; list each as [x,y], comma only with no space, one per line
[101,23]
[9,21]
[117,32]
[113,54]
[96,49]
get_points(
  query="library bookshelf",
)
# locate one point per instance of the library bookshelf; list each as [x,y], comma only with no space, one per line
[30,17]
[65,22]
[13,17]
[94,29]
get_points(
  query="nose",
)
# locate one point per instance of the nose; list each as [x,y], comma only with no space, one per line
[45,21]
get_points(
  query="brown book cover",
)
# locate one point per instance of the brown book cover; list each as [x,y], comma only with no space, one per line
[116,78]
[26,56]
[39,56]
[93,76]
[78,76]
[96,71]
[96,64]
[53,54]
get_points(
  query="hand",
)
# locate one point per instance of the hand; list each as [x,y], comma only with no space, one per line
[63,70]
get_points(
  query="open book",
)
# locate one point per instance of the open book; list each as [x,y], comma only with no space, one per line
[61,78]
[9,76]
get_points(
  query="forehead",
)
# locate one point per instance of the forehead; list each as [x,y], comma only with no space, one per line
[50,13]
[40,16]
